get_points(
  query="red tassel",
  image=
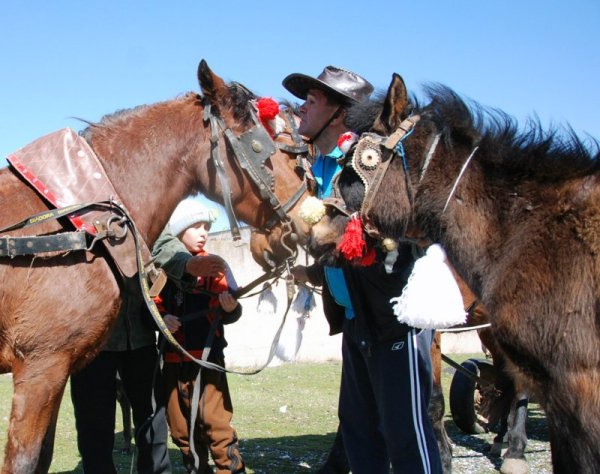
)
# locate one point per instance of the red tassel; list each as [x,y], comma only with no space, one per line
[353,243]
[368,259]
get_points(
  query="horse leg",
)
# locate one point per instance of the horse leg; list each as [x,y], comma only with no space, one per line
[437,406]
[573,413]
[38,388]
[514,459]
[48,443]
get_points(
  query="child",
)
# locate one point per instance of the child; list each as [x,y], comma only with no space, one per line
[196,320]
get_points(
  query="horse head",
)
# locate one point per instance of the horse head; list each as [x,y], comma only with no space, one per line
[268,152]
[365,175]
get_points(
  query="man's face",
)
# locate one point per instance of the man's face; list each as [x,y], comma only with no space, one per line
[315,111]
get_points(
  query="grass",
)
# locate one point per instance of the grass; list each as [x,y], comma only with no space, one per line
[286,418]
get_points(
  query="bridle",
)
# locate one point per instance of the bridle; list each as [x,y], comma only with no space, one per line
[371,167]
[252,149]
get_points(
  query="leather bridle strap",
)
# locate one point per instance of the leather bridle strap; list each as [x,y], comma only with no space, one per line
[218,163]
[391,143]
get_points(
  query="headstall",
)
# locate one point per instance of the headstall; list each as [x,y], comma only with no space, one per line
[252,149]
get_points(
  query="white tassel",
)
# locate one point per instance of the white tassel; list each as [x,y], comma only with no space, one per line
[304,302]
[290,338]
[431,299]
[267,301]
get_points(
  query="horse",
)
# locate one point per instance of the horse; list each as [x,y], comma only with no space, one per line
[517,216]
[58,309]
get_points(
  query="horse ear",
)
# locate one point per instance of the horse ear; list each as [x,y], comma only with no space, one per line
[210,83]
[395,107]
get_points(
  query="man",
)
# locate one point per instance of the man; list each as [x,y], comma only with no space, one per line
[386,369]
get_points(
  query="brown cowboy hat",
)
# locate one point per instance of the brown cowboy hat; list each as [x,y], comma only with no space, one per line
[346,85]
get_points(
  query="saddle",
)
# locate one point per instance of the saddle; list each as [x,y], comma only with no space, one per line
[64,170]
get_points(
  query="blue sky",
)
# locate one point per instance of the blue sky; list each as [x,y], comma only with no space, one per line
[62,59]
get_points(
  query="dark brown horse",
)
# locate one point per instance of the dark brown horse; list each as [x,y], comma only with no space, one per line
[518,215]
[57,311]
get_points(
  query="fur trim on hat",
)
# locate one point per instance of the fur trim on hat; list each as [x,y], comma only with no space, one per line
[188,213]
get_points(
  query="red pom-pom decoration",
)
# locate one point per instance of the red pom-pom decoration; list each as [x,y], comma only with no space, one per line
[346,140]
[267,111]
[353,243]
[267,108]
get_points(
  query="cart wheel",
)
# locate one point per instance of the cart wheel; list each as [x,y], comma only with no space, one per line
[466,395]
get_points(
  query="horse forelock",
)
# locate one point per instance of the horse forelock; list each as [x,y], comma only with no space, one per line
[528,152]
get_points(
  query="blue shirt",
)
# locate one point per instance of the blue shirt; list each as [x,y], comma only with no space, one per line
[324,169]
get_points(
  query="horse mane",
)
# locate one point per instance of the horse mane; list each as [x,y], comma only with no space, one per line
[116,119]
[527,153]
[239,101]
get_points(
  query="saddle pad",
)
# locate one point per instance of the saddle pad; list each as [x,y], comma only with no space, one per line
[64,169]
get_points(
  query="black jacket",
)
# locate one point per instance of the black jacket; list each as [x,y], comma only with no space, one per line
[370,289]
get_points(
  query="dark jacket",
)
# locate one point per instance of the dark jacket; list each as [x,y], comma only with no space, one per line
[134,327]
[370,289]
[198,311]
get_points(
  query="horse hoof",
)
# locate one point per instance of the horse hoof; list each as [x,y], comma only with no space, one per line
[514,466]
[498,449]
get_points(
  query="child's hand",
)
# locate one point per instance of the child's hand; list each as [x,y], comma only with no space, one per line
[172,322]
[228,303]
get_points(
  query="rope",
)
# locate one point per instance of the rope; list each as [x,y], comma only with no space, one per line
[465,329]
[462,170]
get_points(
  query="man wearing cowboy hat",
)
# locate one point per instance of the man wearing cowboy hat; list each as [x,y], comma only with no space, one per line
[386,366]
[323,113]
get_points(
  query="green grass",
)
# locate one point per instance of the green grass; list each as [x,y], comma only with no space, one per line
[286,418]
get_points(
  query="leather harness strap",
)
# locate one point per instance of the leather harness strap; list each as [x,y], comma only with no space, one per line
[220,169]
[371,189]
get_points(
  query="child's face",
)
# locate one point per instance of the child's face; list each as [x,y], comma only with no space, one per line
[195,236]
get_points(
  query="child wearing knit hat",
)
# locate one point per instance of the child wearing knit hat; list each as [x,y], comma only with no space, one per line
[196,320]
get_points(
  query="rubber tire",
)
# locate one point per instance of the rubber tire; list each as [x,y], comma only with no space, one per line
[462,395]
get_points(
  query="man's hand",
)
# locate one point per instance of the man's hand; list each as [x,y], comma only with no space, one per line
[299,273]
[172,322]
[205,266]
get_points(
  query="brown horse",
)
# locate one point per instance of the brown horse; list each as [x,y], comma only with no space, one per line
[518,216]
[57,311]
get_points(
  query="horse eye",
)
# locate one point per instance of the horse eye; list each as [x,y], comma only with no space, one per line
[369,158]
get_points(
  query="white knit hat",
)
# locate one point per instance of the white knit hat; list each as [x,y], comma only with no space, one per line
[189,212]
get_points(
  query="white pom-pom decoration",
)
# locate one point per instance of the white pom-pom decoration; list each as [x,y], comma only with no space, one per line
[431,299]
[312,210]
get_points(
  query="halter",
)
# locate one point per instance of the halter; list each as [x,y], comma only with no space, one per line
[252,149]
[371,167]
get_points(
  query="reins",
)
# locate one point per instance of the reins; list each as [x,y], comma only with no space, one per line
[251,149]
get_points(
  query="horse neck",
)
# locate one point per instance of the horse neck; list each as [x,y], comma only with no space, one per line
[147,155]
[160,154]
[461,220]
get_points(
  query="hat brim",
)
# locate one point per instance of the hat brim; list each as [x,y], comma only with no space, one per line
[299,85]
